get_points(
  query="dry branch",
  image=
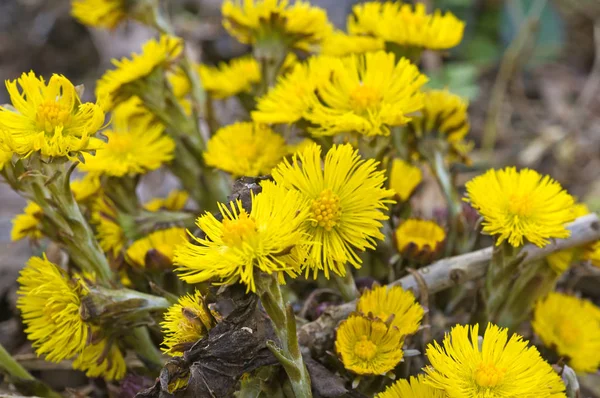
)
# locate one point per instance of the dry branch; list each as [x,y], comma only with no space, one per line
[318,335]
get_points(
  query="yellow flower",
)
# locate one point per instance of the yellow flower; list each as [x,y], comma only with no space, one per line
[493,367]
[49,303]
[85,188]
[100,13]
[245,149]
[109,233]
[5,158]
[413,388]
[180,84]
[368,94]
[49,118]
[562,260]
[444,113]
[368,346]
[339,44]
[572,327]
[521,205]
[176,200]
[592,254]
[132,148]
[227,80]
[406,25]
[185,323]
[404,178]
[262,240]
[298,25]
[28,224]
[162,241]
[419,238]
[291,97]
[112,88]
[98,360]
[347,204]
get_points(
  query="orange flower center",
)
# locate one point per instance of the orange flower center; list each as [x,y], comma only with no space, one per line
[326,210]
[236,231]
[488,375]
[365,349]
[51,114]
[364,97]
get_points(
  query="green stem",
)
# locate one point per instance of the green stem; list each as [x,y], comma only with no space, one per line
[284,322]
[346,285]
[145,349]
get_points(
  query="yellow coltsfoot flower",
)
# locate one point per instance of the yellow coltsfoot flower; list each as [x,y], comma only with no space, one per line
[227,80]
[347,204]
[245,149]
[404,178]
[383,302]
[5,158]
[270,238]
[49,118]
[415,387]
[571,326]
[101,359]
[156,249]
[444,114]
[419,240]
[406,25]
[339,44]
[109,233]
[368,346]
[49,302]
[28,224]
[100,13]
[592,253]
[367,94]
[520,206]
[174,201]
[185,323]
[495,366]
[86,187]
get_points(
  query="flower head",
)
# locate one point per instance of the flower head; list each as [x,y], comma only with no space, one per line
[28,224]
[227,80]
[347,202]
[174,201]
[368,346]
[109,233]
[592,253]
[560,261]
[366,93]
[185,323]
[49,118]
[339,44]
[571,326]
[419,239]
[495,366]
[86,187]
[383,302]
[132,148]
[406,25]
[112,88]
[269,238]
[159,243]
[445,114]
[245,149]
[404,178]
[299,25]
[49,302]
[100,13]
[521,205]
[413,388]
[101,359]
[5,158]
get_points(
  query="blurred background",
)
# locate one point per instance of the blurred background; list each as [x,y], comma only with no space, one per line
[530,68]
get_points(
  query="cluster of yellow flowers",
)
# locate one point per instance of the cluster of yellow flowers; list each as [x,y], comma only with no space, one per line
[341,130]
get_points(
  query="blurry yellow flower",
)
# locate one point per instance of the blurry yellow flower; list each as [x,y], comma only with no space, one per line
[299,25]
[49,118]
[245,149]
[592,253]
[175,200]
[98,360]
[406,25]
[290,98]
[109,233]
[347,204]
[404,178]
[368,94]
[339,44]
[5,158]
[413,388]
[100,13]
[572,327]
[562,260]
[180,84]
[419,239]
[383,302]
[49,303]
[521,205]
[243,242]
[368,346]
[226,80]
[135,111]
[85,188]
[493,367]
[115,86]
[162,241]
[443,113]
[28,224]
[132,148]
[185,323]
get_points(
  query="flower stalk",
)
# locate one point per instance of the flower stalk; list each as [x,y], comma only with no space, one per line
[346,285]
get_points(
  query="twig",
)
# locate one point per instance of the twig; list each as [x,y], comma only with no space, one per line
[318,335]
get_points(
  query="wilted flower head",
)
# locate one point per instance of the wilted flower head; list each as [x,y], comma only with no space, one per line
[404,178]
[415,387]
[521,205]
[156,249]
[49,118]
[227,80]
[571,326]
[420,240]
[496,366]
